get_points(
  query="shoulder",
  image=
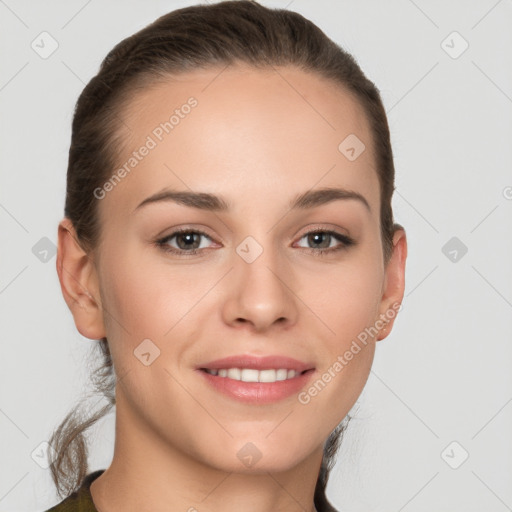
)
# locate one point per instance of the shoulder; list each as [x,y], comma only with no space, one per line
[80,500]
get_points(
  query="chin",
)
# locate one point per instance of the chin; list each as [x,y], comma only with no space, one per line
[257,456]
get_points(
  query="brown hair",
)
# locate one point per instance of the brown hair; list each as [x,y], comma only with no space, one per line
[199,36]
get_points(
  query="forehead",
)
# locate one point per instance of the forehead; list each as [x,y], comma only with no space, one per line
[259,131]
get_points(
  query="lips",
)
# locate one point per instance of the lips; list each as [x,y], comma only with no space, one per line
[258,391]
[271,362]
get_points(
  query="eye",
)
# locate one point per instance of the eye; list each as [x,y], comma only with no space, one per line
[188,242]
[321,240]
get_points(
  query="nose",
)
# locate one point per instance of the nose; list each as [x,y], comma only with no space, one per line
[260,293]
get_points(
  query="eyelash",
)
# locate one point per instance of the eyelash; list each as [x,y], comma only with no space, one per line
[345,240]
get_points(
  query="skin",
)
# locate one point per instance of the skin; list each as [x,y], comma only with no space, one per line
[258,142]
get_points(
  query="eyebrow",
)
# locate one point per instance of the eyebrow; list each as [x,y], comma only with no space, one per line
[211,202]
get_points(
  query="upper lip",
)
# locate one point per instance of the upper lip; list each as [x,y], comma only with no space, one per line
[257,363]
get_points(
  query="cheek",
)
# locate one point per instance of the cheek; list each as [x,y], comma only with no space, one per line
[145,297]
[346,299]
[346,302]
[347,307]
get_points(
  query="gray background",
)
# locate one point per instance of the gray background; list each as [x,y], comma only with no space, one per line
[444,373]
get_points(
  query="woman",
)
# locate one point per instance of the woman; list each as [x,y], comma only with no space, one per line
[229,239]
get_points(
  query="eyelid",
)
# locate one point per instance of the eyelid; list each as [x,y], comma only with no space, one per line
[172,230]
[324,228]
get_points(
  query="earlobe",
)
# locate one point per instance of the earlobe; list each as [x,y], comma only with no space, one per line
[393,292]
[78,282]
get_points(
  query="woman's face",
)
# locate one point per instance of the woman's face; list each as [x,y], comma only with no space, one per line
[260,282]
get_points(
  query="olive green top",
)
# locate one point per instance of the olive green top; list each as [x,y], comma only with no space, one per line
[80,500]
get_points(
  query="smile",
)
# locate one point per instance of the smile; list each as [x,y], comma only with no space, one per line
[253,375]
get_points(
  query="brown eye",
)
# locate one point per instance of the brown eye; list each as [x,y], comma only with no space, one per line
[320,241]
[187,241]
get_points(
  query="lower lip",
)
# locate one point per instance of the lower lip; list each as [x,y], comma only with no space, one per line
[257,392]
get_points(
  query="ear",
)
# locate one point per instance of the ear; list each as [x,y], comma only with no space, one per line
[394,285]
[79,283]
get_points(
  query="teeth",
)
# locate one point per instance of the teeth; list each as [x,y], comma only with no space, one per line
[234,373]
[252,375]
